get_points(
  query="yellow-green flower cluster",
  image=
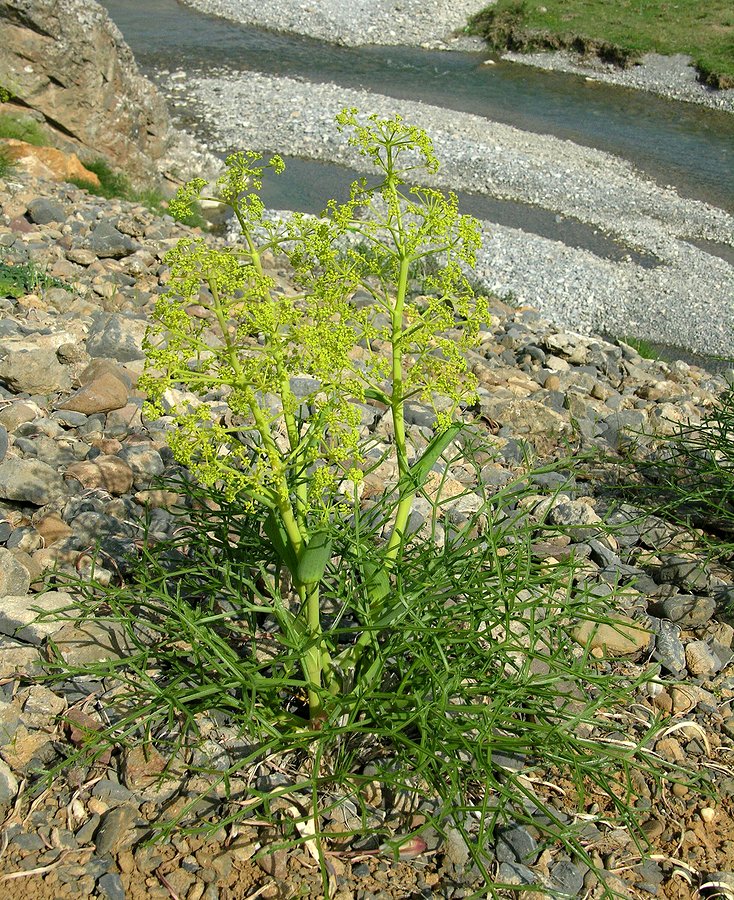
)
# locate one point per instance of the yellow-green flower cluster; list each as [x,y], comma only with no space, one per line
[248,339]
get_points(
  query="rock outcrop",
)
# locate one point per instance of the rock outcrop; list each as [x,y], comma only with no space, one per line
[47,162]
[66,61]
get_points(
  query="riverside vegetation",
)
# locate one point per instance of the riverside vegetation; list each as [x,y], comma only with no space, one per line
[619,32]
[326,631]
[111,183]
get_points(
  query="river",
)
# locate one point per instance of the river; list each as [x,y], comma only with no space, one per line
[685,145]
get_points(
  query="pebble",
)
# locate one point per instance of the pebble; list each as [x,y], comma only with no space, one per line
[113,830]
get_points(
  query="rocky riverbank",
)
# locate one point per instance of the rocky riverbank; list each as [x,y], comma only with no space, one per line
[679,293]
[77,464]
[440,25]
[669,76]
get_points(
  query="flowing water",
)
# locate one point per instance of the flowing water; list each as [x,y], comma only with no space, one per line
[688,146]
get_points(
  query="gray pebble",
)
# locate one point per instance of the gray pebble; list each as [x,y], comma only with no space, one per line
[669,649]
[43,211]
[567,877]
[113,829]
[687,610]
[110,886]
[111,791]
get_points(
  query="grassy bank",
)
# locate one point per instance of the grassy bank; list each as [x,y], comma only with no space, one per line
[620,31]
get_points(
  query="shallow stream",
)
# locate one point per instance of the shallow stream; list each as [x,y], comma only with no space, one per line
[688,146]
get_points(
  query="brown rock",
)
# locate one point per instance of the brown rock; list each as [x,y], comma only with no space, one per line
[18,412]
[52,528]
[101,395]
[116,474]
[157,498]
[108,472]
[99,367]
[623,637]
[48,162]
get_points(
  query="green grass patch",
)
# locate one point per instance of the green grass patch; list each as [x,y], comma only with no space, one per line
[7,165]
[18,280]
[620,31]
[116,185]
[22,128]
[111,183]
[643,347]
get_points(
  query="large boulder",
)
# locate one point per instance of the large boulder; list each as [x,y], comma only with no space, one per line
[66,61]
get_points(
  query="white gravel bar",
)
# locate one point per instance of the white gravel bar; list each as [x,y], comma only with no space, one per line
[686,300]
[353,22]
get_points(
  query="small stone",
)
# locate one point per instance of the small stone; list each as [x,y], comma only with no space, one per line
[41,707]
[85,834]
[111,792]
[568,877]
[18,412]
[108,472]
[52,528]
[687,610]
[157,498]
[700,660]
[101,395]
[578,515]
[34,372]
[116,336]
[683,698]
[8,785]
[669,649]
[43,211]
[456,849]
[144,460]
[274,864]
[515,873]
[90,642]
[81,257]
[109,243]
[19,615]
[686,573]
[14,578]
[3,442]
[113,831]
[142,767]
[30,481]
[17,657]
[516,844]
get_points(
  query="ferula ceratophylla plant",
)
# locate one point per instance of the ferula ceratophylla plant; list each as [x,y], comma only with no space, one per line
[297,454]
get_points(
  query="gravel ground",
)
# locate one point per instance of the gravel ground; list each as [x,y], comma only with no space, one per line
[413,22]
[79,467]
[684,301]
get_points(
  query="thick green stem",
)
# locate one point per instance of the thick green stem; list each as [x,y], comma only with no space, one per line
[398,413]
[313,658]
